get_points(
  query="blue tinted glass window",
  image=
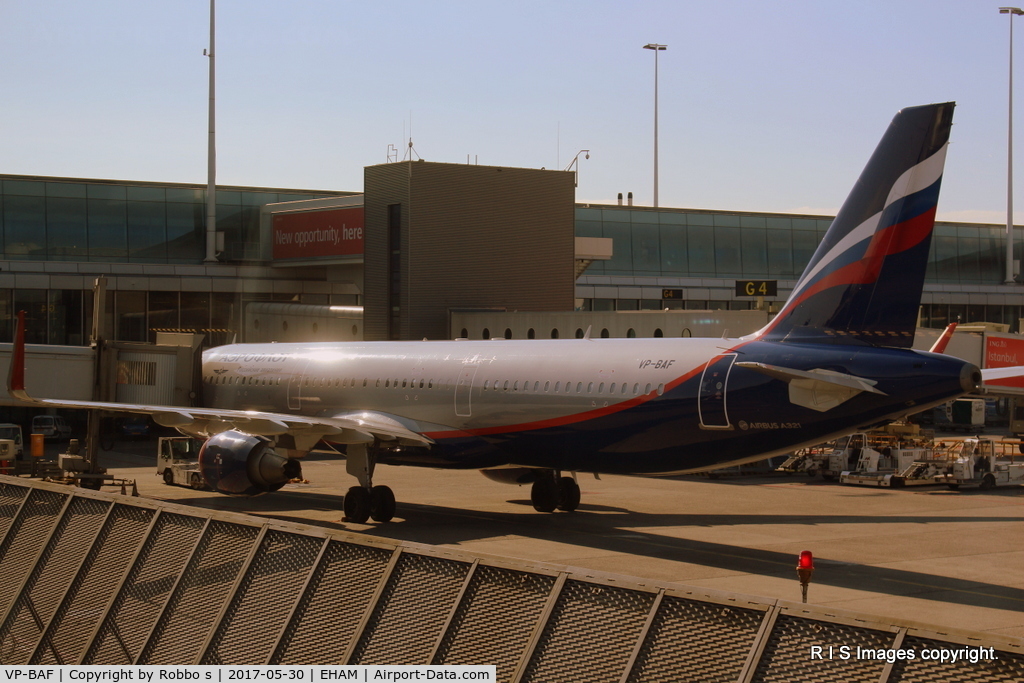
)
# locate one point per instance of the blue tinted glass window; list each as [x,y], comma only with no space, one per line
[108,230]
[968,247]
[147,194]
[588,228]
[185,225]
[66,229]
[701,252]
[992,254]
[622,248]
[727,252]
[726,221]
[780,254]
[673,249]
[147,231]
[944,248]
[256,198]
[24,227]
[75,190]
[755,253]
[699,219]
[804,244]
[186,195]
[644,216]
[106,192]
[646,251]
[25,188]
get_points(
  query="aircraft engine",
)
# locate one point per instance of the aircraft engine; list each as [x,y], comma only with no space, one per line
[244,465]
[511,475]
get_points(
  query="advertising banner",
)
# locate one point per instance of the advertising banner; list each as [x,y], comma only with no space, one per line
[316,234]
[1004,352]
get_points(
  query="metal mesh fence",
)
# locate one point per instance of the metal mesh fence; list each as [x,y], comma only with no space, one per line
[105,579]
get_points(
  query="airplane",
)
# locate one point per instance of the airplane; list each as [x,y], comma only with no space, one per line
[835,359]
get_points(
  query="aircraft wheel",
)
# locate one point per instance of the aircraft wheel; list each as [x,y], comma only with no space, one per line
[568,494]
[357,505]
[169,477]
[196,482]
[382,504]
[989,482]
[953,487]
[544,494]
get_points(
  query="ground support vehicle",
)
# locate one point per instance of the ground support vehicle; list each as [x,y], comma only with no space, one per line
[876,468]
[807,461]
[177,461]
[920,473]
[985,464]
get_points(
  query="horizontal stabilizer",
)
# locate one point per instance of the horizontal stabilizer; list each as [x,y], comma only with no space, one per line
[1002,381]
[816,389]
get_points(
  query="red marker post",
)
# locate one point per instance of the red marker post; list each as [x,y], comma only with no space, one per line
[804,570]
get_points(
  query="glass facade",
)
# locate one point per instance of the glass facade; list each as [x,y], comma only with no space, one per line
[707,244]
[66,220]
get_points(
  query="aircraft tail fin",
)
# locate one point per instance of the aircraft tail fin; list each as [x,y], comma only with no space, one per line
[865,279]
[16,371]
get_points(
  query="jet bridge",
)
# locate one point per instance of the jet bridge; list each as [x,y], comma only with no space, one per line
[96,578]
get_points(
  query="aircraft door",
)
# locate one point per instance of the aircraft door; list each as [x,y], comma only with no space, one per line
[295,384]
[464,391]
[712,403]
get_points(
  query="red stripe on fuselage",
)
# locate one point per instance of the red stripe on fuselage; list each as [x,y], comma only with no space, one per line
[579,417]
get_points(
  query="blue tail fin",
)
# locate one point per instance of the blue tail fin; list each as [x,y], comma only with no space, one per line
[864,281]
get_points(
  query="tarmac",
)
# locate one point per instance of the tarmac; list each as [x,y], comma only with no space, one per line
[947,558]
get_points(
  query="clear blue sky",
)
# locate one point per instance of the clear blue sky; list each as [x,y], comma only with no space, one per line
[765,106]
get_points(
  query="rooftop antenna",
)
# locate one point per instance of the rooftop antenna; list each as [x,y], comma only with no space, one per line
[411,150]
[392,154]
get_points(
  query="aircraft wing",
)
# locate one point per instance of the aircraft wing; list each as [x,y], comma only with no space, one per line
[355,427]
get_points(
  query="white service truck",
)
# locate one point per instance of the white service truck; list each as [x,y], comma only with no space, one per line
[177,461]
[978,464]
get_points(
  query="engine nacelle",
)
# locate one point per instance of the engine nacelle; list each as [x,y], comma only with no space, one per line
[512,475]
[244,465]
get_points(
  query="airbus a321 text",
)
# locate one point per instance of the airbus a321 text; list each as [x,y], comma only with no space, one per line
[836,358]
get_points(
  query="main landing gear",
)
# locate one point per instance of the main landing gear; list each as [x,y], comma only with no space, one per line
[551,490]
[366,501]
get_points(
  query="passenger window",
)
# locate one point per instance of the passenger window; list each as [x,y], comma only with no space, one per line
[506,385]
[557,386]
[546,385]
[611,389]
[579,387]
[648,389]
[600,388]
[636,389]
[515,386]
[661,389]
[536,386]
[590,388]
[487,384]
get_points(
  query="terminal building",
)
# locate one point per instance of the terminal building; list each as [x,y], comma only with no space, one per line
[428,250]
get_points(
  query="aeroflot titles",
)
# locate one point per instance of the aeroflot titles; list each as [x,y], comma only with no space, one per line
[255,358]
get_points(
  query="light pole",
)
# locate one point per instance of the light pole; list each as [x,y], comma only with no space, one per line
[1009,156]
[657,48]
[211,157]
